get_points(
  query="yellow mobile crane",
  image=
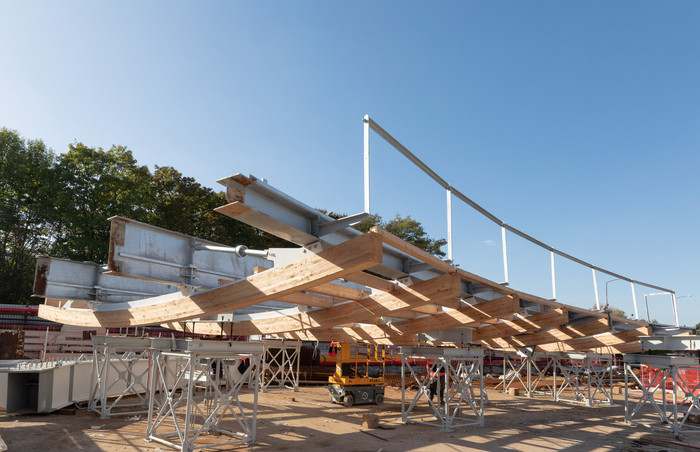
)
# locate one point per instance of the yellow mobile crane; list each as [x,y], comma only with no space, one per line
[359,373]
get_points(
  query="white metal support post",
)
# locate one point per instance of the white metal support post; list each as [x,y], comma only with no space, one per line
[514,366]
[595,289]
[453,377]
[280,364]
[209,401]
[587,378]
[119,369]
[554,277]
[660,378]
[634,301]
[505,254]
[365,121]
[449,224]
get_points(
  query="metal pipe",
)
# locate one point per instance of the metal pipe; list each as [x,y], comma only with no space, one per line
[240,250]
[675,309]
[505,254]
[449,224]
[369,123]
[554,277]
[634,301]
[366,120]
[595,288]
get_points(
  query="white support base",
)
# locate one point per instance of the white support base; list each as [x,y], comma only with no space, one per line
[460,369]
[209,401]
[663,389]
[119,368]
[281,364]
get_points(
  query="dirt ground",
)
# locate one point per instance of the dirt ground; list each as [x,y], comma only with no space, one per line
[311,422]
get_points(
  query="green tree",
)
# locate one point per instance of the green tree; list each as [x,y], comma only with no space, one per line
[95,185]
[27,212]
[406,228]
[185,206]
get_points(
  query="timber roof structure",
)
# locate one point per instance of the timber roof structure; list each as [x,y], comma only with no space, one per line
[338,284]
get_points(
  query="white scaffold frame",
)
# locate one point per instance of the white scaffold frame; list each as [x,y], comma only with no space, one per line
[585,377]
[461,368]
[208,393]
[119,368]
[281,364]
[514,364]
[669,411]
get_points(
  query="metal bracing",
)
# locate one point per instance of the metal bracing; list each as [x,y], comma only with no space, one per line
[665,389]
[452,378]
[209,398]
[535,373]
[280,366]
[583,378]
[119,368]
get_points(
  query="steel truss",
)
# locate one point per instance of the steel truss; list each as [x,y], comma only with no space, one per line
[666,382]
[461,368]
[281,364]
[205,396]
[586,376]
[535,381]
[119,368]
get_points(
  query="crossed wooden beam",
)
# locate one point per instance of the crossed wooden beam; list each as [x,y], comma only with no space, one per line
[391,313]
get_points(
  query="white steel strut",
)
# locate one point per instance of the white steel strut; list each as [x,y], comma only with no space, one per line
[453,375]
[119,368]
[281,364]
[209,401]
[665,389]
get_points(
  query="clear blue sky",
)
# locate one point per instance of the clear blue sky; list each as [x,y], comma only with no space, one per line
[578,123]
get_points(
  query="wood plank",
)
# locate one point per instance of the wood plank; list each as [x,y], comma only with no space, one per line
[535,322]
[336,290]
[349,257]
[309,299]
[466,316]
[597,326]
[375,282]
[391,304]
[345,334]
[428,258]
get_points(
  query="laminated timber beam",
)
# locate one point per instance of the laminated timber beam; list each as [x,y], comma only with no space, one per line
[352,256]
[385,304]
[550,319]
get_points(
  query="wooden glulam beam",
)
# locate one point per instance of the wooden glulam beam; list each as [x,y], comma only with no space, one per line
[428,258]
[349,257]
[532,323]
[466,316]
[390,304]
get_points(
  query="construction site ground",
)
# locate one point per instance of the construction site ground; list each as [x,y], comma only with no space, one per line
[306,420]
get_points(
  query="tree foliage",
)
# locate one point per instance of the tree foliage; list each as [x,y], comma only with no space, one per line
[406,228]
[27,212]
[60,205]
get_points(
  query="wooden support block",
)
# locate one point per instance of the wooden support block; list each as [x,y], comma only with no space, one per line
[370,421]
[514,391]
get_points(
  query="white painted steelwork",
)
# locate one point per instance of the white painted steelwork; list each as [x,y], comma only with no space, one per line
[586,376]
[461,368]
[209,401]
[371,124]
[87,281]
[281,364]
[142,251]
[516,366]
[119,377]
[686,343]
[505,255]
[664,391]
